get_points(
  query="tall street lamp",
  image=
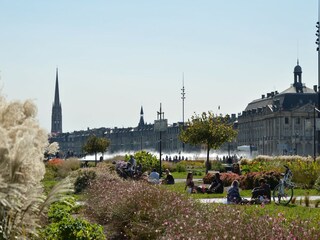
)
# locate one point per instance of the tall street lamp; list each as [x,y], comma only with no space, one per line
[183,98]
[160,125]
[318,92]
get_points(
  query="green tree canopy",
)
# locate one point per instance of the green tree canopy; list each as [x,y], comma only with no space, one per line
[95,145]
[210,130]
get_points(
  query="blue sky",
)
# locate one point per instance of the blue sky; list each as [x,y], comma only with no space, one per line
[116,56]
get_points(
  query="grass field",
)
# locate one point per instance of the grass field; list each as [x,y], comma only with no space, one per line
[180,187]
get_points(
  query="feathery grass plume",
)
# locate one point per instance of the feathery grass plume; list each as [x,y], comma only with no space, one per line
[22,146]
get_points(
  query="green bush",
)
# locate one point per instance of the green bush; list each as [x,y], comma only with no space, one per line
[217,166]
[51,172]
[72,229]
[317,184]
[83,179]
[169,165]
[146,159]
[60,210]
[180,167]
[305,172]
[63,226]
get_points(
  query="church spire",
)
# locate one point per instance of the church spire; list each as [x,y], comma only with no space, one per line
[56,117]
[56,94]
[141,122]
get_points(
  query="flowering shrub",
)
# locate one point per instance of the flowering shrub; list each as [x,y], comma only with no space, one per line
[305,170]
[227,178]
[55,161]
[59,168]
[67,166]
[247,181]
[137,210]
[251,180]
[207,179]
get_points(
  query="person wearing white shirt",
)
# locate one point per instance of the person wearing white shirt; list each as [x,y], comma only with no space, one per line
[154,177]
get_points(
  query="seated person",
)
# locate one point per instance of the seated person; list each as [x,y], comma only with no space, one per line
[215,187]
[139,169]
[236,168]
[233,195]
[262,191]
[128,169]
[189,183]
[169,178]
[154,177]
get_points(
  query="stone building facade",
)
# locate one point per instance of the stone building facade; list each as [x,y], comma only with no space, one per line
[281,123]
[145,136]
[131,139]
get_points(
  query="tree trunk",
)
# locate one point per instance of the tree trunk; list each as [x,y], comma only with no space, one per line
[207,163]
[95,159]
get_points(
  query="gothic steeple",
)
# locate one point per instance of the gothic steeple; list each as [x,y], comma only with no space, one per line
[56,117]
[141,122]
[56,93]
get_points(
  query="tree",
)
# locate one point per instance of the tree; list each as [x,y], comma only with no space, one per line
[213,131]
[95,145]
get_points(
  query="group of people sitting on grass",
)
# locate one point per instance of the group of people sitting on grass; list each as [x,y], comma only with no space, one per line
[216,185]
[261,194]
[154,177]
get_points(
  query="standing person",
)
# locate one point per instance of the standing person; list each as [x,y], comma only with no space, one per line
[133,162]
[189,183]
[154,177]
[169,178]
[233,195]
[216,186]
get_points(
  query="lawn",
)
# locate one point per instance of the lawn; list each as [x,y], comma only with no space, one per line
[183,175]
[180,187]
[290,212]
